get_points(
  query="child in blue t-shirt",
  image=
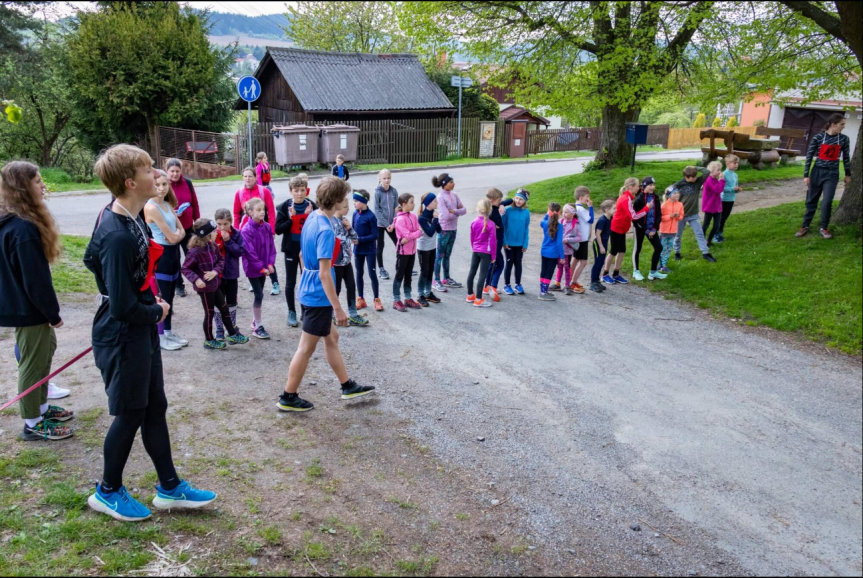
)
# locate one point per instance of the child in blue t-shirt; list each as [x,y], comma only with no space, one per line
[729,193]
[318,298]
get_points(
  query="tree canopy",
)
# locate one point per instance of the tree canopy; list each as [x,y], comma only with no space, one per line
[132,67]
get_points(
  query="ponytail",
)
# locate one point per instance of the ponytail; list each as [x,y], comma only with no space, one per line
[553,219]
[441,180]
[834,118]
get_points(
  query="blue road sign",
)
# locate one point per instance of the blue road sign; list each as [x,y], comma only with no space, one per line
[249,88]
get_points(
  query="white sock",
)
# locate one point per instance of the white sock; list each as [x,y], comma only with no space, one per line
[42,409]
[168,332]
[33,422]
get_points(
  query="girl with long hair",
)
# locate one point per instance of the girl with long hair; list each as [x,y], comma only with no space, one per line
[483,243]
[552,249]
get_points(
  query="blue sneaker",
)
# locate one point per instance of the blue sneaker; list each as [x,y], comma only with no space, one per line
[608,280]
[119,505]
[621,280]
[519,289]
[183,496]
[508,290]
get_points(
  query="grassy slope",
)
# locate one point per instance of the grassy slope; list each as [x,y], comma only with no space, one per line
[606,184]
[69,274]
[766,276]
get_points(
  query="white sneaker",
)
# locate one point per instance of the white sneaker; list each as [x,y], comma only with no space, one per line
[637,275]
[656,275]
[177,339]
[167,344]
[56,392]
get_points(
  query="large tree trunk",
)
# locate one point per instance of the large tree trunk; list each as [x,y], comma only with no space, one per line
[614,150]
[851,206]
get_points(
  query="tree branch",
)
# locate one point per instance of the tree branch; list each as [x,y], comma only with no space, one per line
[822,18]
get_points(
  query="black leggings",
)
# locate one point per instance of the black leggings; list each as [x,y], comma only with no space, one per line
[716,219]
[230,287]
[546,270]
[292,265]
[346,273]
[726,212]
[184,244]
[368,261]
[404,266]
[167,277]
[392,234]
[640,237]
[478,262]
[211,301]
[513,257]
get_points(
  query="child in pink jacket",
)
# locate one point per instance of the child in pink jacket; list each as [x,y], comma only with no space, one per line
[408,230]
[483,243]
[711,200]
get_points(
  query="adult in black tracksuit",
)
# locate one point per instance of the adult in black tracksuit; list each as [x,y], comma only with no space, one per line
[290,218]
[647,227]
[125,339]
[826,148]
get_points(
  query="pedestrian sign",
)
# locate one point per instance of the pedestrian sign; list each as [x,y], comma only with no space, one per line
[249,88]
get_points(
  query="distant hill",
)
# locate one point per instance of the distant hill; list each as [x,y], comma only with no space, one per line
[261,27]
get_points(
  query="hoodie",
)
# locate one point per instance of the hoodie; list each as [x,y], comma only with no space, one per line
[259,248]
[711,201]
[689,192]
[483,241]
[386,202]
[516,227]
[201,260]
[28,293]
[407,227]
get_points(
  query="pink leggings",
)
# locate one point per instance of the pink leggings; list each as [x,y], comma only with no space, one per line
[565,269]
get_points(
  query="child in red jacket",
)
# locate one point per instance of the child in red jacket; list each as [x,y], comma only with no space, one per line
[624,214]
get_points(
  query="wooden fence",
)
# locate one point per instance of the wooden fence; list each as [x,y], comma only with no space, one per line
[387,141]
[681,138]
[581,139]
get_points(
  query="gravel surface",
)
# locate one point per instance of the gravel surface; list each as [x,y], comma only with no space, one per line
[733,452]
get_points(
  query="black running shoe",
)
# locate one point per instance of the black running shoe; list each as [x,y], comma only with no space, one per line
[356,390]
[432,298]
[295,404]
[710,258]
[180,291]
[678,257]
[423,302]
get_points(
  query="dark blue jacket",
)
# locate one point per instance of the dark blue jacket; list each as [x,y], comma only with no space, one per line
[366,225]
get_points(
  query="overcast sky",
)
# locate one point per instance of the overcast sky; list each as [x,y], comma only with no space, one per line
[247,8]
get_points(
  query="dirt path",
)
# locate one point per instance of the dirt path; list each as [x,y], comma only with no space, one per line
[597,414]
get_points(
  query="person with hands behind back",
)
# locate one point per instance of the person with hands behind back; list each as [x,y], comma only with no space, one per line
[29,242]
[126,343]
[230,244]
[317,295]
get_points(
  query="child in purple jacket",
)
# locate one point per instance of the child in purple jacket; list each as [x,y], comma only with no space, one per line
[203,267]
[483,243]
[711,200]
[259,258]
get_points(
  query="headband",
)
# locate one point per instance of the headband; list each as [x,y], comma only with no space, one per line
[445,181]
[360,198]
[647,181]
[522,194]
[429,198]
[206,229]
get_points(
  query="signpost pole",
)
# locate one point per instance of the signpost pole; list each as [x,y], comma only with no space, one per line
[251,162]
[459,118]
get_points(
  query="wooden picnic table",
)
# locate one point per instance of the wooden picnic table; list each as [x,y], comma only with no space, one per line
[758,152]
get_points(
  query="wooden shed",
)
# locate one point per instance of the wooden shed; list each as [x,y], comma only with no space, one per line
[313,86]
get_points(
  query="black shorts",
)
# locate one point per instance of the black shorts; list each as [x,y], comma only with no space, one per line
[618,243]
[581,252]
[318,321]
[132,373]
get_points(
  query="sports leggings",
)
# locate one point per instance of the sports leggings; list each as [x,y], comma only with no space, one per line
[345,273]
[292,265]
[479,263]
[211,301]
[362,261]
[513,258]
[382,231]
[716,219]
[154,432]
[640,237]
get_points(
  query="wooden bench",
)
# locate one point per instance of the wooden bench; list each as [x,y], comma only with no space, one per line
[787,153]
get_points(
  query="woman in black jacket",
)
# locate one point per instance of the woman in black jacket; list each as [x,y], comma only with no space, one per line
[28,243]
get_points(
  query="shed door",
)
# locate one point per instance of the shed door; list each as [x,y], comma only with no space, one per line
[810,120]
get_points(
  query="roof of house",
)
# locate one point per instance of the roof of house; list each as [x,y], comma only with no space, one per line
[349,81]
[520,113]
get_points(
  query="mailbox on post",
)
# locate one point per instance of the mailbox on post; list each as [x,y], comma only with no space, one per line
[636,134]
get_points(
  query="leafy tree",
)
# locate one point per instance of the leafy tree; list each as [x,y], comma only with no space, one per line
[612,55]
[16,17]
[473,102]
[132,68]
[732,122]
[369,27]
[700,121]
[811,47]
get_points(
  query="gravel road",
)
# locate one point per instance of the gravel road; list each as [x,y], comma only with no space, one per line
[732,451]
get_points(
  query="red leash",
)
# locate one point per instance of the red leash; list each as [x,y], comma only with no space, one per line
[32,387]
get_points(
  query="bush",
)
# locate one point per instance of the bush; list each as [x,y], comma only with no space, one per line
[700,121]
[717,122]
[759,122]
[732,122]
[594,165]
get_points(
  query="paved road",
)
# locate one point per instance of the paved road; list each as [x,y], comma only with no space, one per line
[600,411]
[76,214]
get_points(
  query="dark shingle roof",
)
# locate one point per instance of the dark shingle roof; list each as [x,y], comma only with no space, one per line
[335,81]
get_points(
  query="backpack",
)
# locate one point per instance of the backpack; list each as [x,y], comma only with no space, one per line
[265,174]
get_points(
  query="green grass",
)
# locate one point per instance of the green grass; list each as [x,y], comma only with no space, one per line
[606,184]
[69,273]
[766,276]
